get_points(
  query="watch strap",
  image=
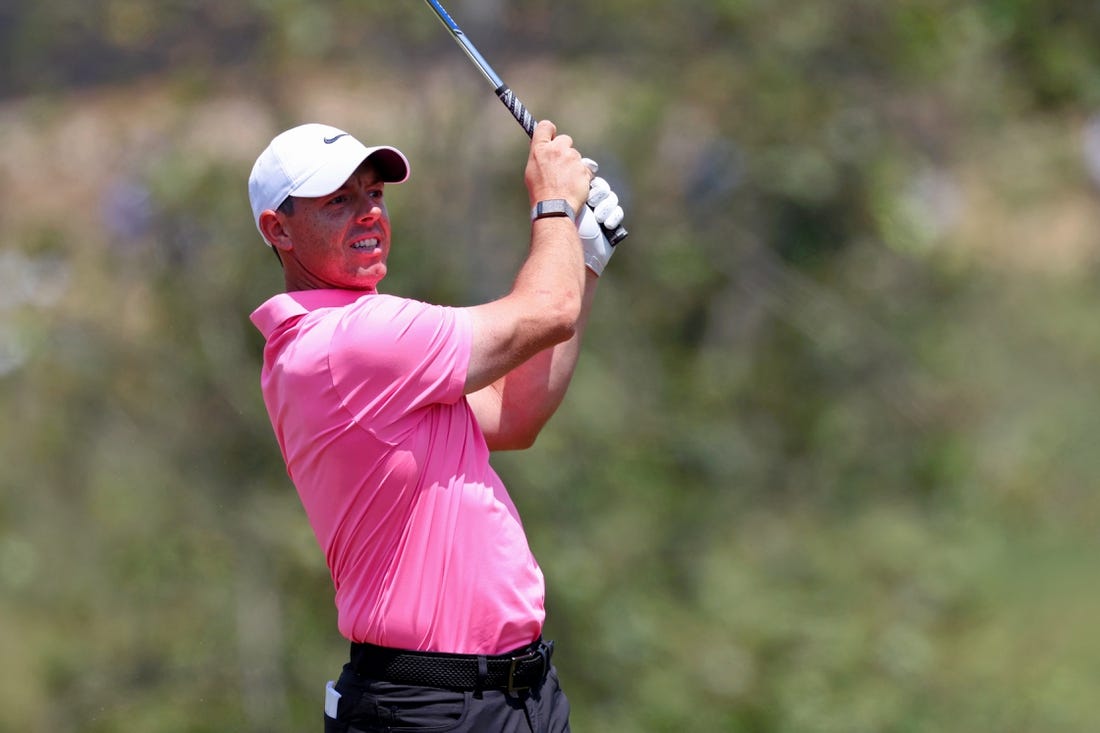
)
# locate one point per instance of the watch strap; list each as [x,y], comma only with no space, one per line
[552,207]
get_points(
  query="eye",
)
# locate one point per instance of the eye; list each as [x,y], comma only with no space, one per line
[337,200]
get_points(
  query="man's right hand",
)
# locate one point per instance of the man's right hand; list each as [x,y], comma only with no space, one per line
[555,169]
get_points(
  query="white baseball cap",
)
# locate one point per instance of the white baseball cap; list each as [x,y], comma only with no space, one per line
[314,160]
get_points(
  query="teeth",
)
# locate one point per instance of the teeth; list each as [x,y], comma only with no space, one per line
[366,244]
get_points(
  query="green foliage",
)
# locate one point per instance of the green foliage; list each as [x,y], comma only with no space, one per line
[826,463]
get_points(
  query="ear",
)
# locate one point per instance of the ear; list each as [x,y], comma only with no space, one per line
[273,228]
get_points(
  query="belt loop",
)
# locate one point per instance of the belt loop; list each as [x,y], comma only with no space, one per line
[482,675]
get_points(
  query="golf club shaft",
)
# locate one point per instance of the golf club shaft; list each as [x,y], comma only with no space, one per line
[504,94]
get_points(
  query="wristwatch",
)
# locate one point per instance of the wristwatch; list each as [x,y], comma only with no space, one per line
[553,207]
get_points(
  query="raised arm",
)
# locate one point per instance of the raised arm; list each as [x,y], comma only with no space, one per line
[513,410]
[513,407]
[544,306]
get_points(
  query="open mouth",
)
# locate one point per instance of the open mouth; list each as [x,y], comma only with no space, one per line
[367,245]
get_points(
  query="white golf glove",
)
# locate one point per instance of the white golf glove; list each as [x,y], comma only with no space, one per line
[602,209]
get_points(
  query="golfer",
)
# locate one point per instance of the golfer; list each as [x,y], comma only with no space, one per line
[386,409]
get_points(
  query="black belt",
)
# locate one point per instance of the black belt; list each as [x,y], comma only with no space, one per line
[514,672]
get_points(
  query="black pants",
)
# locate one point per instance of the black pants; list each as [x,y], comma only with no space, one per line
[376,706]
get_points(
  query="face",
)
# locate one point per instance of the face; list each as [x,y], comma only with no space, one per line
[340,240]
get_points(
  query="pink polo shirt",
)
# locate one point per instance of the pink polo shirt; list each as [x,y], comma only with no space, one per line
[426,549]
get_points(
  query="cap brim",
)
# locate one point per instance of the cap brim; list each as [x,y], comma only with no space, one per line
[391,163]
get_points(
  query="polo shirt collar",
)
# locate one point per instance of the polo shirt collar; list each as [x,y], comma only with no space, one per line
[284,306]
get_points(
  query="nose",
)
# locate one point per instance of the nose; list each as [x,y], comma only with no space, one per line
[371,212]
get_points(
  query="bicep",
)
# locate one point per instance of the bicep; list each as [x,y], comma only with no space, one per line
[502,340]
[487,404]
[505,334]
[496,348]
[505,423]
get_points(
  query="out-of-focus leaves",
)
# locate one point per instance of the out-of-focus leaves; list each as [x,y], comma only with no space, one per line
[825,464]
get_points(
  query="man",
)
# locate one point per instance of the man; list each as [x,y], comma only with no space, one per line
[386,409]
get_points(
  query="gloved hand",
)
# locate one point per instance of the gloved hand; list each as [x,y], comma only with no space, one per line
[603,209]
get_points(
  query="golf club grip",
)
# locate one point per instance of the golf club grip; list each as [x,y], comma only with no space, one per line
[517,108]
[616,235]
[527,122]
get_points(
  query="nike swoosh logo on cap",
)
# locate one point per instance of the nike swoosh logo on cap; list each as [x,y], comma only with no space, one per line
[331,140]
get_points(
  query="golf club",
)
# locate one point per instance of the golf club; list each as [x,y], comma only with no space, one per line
[516,107]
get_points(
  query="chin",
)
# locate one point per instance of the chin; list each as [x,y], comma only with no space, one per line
[368,278]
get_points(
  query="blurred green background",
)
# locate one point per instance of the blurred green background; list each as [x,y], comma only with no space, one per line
[828,462]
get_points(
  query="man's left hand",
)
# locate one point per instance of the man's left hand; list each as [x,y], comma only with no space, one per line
[603,211]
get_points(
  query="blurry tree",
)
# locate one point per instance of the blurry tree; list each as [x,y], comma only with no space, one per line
[826,463]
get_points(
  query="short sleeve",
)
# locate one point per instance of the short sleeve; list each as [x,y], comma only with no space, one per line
[392,357]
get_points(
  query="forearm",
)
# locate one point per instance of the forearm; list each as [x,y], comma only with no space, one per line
[552,277]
